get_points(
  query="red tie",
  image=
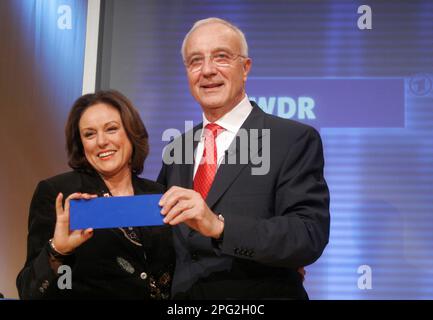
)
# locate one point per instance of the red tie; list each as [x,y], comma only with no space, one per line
[208,165]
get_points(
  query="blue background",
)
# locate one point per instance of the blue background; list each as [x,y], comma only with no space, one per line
[378,151]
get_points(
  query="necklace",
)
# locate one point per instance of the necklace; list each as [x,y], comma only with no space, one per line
[129,234]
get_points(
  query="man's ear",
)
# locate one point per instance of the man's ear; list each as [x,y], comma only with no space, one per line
[247,67]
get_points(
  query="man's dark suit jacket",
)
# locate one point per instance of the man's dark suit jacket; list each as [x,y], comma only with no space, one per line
[108,265]
[274,223]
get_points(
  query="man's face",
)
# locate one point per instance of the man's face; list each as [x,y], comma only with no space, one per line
[218,89]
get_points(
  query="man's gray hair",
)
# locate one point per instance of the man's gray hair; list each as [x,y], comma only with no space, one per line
[243,40]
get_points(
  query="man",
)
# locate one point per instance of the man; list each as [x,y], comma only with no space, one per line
[241,231]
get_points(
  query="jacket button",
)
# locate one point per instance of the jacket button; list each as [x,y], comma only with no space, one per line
[45,284]
[143,275]
[194,256]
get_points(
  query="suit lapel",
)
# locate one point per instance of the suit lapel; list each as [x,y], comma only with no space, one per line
[227,173]
[187,169]
[93,184]
[186,172]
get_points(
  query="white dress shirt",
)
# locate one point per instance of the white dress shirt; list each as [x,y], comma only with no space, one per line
[231,122]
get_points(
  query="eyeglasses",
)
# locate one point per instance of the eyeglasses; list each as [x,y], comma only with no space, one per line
[221,59]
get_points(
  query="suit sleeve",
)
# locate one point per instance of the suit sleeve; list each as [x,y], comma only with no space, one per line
[299,231]
[37,276]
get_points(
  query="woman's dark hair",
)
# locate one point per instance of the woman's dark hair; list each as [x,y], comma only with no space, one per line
[134,127]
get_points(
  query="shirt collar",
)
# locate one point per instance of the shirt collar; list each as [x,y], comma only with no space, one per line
[233,119]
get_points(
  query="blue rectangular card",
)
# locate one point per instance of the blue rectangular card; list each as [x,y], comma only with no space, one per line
[114,212]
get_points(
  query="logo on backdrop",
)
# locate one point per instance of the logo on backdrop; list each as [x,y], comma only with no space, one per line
[332,102]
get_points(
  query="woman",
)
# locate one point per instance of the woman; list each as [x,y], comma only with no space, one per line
[107,144]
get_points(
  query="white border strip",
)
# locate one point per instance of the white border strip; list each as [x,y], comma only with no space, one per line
[91,49]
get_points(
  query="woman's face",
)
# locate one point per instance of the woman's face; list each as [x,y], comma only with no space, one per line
[105,142]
